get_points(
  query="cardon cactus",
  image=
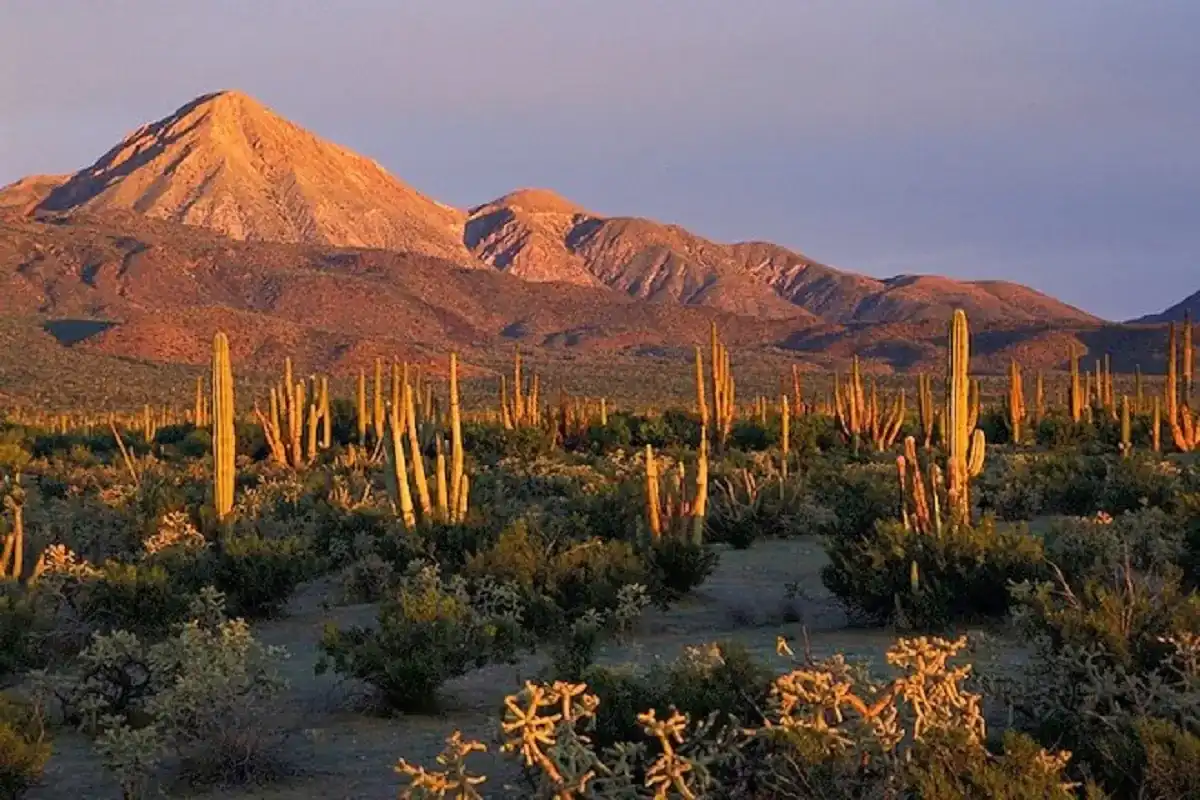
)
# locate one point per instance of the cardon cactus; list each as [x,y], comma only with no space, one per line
[224,443]
[965,448]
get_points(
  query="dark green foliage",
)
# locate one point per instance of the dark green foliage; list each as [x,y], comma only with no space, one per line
[961,575]
[24,747]
[752,435]
[427,633]
[676,566]
[944,767]
[858,495]
[1088,547]
[559,581]
[23,626]
[257,575]
[723,679]
[145,599]
[489,443]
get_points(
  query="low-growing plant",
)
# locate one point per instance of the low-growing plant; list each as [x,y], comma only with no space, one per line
[428,633]
[24,746]
[930,581]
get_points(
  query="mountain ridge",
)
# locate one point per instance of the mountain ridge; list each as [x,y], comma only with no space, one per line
[227,163]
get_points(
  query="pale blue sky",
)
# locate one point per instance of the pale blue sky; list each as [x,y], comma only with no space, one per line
[1052,142]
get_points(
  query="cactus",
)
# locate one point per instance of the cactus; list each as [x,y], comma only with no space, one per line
[1139,395]
[676,510]
[797,392]
[785,432]
[360,408]
[1076,398]
[859,415]
[224,443]
[1126,428]
[13,557]
[701,401]
[925,407]
[1015,402]
[396,473]
[1171,389]
[965,448]
[723,388]
[1156,426]
[456,443]
[1188,358]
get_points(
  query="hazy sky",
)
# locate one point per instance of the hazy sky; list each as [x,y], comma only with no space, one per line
[1056,143]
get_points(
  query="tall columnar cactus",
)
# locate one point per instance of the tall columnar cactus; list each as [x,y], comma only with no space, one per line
[224,443]
[1126,428]
[1185,431]
[675,509]
[326,416]
[859,414]
[798,407]
[1075,397]
[457,486]
[785,432]
[1188,357]
[920,509]
[965,448]
[198,415]
[1156,426]
[291,424]
[377,417]
[13,556]
[1015,402]
[701,401]
[1139,393]
[360,407]
[723,388]
[396,473]
[925,407]
[1171,389]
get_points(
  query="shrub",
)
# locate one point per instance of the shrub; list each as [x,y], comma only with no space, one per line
[209,692]
[24,747]
[256,575]
[428,633]
[743,510]
[676,565]
[858,496]
[1086,547]
[1114,676]
[23,627]
[931,581]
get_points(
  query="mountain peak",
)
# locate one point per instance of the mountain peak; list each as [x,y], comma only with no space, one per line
[227,162]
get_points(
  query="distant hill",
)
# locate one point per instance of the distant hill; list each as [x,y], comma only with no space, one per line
[227,163]
[1189,305]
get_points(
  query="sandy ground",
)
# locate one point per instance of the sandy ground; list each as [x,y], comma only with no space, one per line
[337,751]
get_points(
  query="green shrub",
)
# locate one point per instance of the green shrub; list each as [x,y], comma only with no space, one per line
[722,679]
[428,633]
[1086,547]
[24,747]
[858,495]
[145,599]
[677,565]
[23,627]
[256,575]
[931,581]
[1114,676]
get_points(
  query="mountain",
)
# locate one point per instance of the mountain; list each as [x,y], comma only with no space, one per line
[1189,305]
[538,235]
[166,287]
[226,162]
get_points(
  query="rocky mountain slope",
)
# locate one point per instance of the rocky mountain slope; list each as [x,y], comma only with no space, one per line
[228,163]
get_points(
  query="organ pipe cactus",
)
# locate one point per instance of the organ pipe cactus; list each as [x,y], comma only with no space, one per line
[965,448]
[360,408]
[1075,395]
[674,509]
[1188,358]
[224,442]
[859,415]
[925,407]
[13,556]
[723,388]
[1014,405]
[1126,428]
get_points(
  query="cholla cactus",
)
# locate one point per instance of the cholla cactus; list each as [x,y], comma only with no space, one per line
[175,530]
[454,782]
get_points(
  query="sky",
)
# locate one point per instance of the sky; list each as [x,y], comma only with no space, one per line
[1056,144]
